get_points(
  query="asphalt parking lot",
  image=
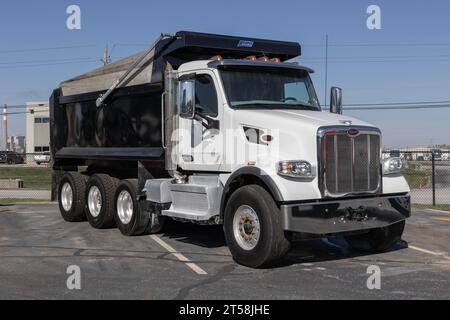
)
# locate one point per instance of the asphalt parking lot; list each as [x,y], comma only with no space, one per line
[192,262]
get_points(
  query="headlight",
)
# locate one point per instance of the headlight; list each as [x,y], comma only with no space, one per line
[393,166]
[296,169]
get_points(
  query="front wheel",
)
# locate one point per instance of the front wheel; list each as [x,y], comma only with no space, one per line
[378,240]
[253,228]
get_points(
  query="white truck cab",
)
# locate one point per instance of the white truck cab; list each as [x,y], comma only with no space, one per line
[252,132]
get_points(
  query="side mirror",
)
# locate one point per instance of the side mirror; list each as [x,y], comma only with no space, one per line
[336,101]
[187,99]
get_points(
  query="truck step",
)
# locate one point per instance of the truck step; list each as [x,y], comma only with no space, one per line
[193,216]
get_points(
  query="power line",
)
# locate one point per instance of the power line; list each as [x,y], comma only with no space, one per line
[331,45]
[47,49]
[379,61]
[48,64]
[381,45]
[398,108]
[378,57]
[346,108]
[17,107]
[28,112]
[130,45]
[43,61]
[399,104]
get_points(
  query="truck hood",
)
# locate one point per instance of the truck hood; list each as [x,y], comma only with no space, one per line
[279,119]
[294,131]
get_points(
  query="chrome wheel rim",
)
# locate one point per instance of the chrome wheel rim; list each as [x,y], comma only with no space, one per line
[67,197]
[95,201]
[125,209]
[247,228]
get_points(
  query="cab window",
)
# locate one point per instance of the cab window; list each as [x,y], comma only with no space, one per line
[297,91]
[206,96]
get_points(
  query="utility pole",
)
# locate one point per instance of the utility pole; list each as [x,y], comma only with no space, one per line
[326,70]
[106,58]
[5,128]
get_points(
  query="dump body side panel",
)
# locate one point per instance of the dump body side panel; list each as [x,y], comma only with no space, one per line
[129,121]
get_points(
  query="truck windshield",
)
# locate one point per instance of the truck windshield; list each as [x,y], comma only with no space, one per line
[270,89]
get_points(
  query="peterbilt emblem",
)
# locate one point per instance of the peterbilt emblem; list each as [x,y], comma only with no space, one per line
[353,133]
[246,44]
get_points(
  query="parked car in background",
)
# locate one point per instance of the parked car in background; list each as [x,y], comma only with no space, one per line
[9,157]
[409,157]
[395,154]
[437,153]
[42,158]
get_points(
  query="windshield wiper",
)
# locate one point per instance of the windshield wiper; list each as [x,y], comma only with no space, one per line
[302,105]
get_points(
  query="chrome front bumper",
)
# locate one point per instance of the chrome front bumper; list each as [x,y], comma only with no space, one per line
[352,215]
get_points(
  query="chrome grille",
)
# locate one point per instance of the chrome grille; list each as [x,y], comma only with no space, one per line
[349,163]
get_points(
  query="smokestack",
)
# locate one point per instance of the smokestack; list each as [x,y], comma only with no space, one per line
[5,128]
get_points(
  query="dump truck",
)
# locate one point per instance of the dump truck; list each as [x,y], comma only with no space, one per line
[222,130]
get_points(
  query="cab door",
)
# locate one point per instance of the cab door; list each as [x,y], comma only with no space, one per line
[200,118]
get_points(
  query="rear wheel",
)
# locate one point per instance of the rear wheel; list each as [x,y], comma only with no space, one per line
[100,201]
[130,218]
[378,240]
[71,197]
[253,228]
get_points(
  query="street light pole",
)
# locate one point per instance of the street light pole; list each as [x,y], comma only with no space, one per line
[326,70]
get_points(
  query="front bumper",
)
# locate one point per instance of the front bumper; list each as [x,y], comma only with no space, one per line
[352,215]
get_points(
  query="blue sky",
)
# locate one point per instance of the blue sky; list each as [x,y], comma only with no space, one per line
[126,26]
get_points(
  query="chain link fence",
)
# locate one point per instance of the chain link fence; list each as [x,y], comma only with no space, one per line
[427,172]
[25,177]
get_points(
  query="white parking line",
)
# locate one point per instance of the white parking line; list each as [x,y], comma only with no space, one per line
[179,256]
[438,211]
[436,254]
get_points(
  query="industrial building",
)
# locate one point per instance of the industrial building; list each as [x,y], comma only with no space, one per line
[38,129]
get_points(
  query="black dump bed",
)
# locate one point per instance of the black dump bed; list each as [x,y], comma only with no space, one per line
[128,127]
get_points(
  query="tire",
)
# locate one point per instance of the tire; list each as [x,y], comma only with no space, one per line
[100,193]
[10,162]
[271,245]
[71,197]
[131,218]
[378,240]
